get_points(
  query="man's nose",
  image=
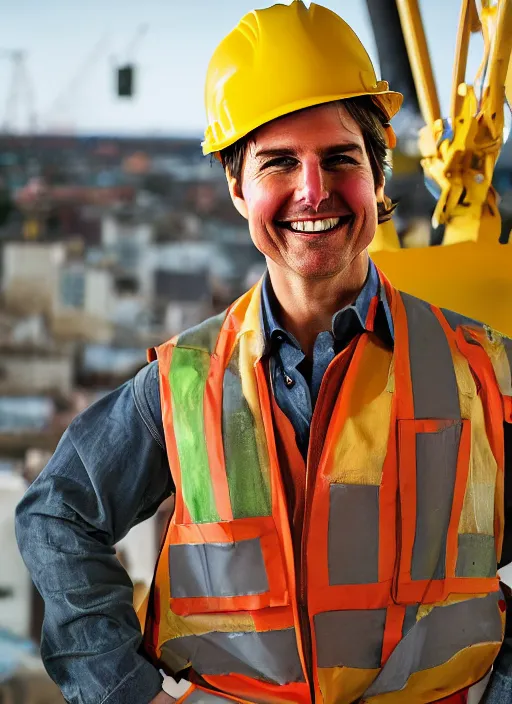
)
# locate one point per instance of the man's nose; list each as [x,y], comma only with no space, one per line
[313,188]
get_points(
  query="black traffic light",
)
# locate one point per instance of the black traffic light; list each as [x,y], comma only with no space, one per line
[125,81]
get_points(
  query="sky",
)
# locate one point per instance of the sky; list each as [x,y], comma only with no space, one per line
[73,49]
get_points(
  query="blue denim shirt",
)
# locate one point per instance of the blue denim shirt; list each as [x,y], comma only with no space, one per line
[110,472]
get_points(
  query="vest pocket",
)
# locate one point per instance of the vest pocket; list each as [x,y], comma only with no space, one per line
[433,469]
[226,566]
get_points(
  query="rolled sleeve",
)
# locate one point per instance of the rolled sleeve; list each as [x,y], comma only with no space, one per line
[108,474]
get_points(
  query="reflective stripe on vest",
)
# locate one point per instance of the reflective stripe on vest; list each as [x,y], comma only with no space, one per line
[443,547]
[267,655]
[242,439]
[201,570]
[362,650]
[497,346]
[199,696]
[433,379]
[354,508]
[508,349]
[437,638]
[187,378]
[432,641]
[479,540]
[243,447]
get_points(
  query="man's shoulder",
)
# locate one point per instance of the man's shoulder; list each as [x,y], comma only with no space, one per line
[453,318]
[202,336]
[199,337]
[457,320]
[479,330]
[474,330]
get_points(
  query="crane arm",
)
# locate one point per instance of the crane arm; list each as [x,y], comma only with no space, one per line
[459,154]
[417,49]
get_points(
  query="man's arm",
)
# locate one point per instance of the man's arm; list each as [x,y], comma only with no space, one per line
[108,473]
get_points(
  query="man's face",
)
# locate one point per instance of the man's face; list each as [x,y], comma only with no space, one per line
[308,191]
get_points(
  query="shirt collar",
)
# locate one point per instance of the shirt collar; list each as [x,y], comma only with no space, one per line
[347,322]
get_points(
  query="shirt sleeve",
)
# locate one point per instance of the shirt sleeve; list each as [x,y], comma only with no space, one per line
[108,473]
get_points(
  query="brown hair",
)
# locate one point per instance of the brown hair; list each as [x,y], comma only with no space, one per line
[370,119]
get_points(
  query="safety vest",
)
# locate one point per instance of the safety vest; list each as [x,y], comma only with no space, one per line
[395,597]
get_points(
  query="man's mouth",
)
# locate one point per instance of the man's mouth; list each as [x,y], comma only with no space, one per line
[315,225]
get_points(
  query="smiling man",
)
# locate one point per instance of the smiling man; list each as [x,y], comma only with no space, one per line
[337,449]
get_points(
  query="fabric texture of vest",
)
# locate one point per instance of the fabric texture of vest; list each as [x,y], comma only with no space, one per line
[395,597]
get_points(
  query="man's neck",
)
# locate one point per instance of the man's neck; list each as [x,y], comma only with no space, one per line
[308,305]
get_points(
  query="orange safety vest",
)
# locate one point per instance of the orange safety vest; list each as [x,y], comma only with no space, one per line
[396,595]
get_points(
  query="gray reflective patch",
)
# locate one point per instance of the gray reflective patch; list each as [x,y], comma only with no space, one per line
[271,656]
[350,638]
[217,569]
[455,320]
[248,489]
[203,336]
[507,342]
[436,468]
[197,696]
[476,556]
[173,661]
[409,619]
[438,637]
[433,376]
[353,534]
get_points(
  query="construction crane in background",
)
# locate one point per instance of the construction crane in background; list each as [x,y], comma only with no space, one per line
[67,97]
[20,100]
[19,94]
[470,271]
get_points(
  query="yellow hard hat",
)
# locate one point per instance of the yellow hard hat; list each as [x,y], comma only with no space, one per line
[282,59]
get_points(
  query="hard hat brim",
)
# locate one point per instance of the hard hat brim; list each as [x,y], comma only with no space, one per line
[389,101]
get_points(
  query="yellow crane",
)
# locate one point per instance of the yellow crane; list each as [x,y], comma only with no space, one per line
[470,272]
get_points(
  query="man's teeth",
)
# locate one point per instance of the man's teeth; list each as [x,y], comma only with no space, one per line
[314,225]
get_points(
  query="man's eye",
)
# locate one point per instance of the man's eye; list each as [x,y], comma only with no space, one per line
[339,159]
[279,161]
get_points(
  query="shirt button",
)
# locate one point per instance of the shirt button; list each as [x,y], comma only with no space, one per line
[288,381]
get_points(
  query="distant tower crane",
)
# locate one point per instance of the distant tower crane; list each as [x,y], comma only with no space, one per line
[65,102]
[20,93]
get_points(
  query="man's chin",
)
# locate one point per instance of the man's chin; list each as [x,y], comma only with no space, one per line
[315,270]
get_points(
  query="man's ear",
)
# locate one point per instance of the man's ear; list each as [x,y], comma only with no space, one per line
[235,191]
